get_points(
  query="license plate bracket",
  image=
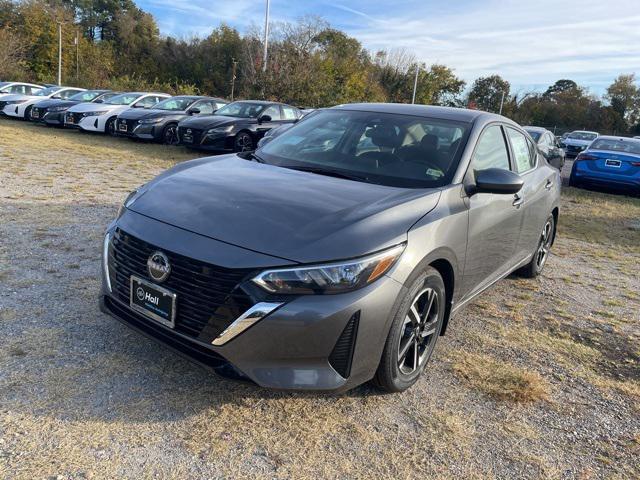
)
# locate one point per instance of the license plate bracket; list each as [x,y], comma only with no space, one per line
[122,127]
[153,301]
[609,162]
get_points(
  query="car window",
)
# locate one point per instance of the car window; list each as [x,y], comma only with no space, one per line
[289,113]
[219,105]
[147,102]
[522,150]
[206,107]
[273,111]
[68,93]
[18,89]
[544,140]
[491,151]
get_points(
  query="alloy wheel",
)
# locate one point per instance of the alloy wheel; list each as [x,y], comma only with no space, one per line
[171,135]
[244,143]
[418,331]
[545,244]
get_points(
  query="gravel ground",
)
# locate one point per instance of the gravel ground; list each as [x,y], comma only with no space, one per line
[536,379]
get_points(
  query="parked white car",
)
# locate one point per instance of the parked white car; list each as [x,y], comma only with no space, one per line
[578,141]
[18,88]
[101,118]
[20,106]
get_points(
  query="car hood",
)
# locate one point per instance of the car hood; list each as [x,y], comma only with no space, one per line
[297,216]
[211,121]
[96,107]
[56,103]
[138,113]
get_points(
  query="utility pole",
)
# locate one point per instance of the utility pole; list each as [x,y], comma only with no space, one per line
[501,102]
[59,53]
[233,76]
[77,56]
[415,84]
[266,38]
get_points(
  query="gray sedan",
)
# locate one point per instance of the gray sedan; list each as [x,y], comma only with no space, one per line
[340,251]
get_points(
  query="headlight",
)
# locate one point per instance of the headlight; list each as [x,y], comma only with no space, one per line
[127,202]
[214,131]
[15,102]
[330,278]
[149,121]
[94,114]
[58,109]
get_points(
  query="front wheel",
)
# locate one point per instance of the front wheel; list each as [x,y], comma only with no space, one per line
[413,334]
[170,134]
[110,127]
[27,113]
[243,142]
[541,254]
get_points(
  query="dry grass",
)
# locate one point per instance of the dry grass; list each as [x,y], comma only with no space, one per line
[499,379]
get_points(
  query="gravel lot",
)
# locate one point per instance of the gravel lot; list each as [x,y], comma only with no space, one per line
[536,379]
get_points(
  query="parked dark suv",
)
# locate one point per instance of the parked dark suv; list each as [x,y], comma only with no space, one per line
[339,251]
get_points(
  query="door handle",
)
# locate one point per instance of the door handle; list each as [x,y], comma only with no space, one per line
[517,200]
[548,185]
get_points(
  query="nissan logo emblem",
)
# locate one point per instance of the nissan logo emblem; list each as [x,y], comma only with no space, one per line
[188,130]
[158,266]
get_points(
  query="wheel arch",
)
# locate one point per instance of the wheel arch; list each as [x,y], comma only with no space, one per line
[445,269]
[106,123]
[556,214]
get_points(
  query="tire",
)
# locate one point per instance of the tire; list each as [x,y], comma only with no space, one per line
[398,369]
[170,134]
[27,113]
[243,143]
[541,254]
[110,127]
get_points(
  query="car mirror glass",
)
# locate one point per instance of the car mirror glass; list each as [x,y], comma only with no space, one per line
[498,181]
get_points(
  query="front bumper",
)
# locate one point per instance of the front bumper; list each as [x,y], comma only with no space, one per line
[294,346]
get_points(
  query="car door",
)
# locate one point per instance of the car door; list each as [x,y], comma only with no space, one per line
[535,193]
[494,219]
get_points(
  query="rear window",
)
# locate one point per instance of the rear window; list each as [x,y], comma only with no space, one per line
[626,146]
[583,136]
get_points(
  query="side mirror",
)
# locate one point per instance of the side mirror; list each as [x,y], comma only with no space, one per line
[194,111]
[495,180]
[264,118]
[99,101]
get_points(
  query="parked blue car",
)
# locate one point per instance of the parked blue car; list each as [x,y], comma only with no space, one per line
[610,162]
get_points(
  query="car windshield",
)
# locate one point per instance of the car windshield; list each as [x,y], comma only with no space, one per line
[124,99]
[175,104]
[242,109]
[45,92]
[626,146]
[583,136]
[4,84]
[534,134]
[382,148]
[85,96]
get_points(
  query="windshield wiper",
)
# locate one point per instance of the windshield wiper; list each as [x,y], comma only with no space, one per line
[327,172]
[251,156]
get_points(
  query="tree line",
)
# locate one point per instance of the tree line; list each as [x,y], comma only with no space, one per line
[115,44]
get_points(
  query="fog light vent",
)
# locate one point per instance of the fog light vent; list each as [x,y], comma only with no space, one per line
[342,353]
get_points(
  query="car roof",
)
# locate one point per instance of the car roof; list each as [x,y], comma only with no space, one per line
[259,102]
[535,129]
[445,113]
[622,139]
[584,131]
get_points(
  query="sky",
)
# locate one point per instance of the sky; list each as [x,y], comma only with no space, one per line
[530,43]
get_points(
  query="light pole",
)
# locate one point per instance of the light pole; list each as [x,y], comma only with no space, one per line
[266,38]
[233,77]
[415,84]
[59,53]
[501,103]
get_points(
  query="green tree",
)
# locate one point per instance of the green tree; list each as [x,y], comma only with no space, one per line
[624,96]
[487,92]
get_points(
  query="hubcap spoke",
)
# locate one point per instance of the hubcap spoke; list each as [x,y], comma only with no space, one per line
[402,355]
[419,326]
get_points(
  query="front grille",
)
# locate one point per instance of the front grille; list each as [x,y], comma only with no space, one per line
[208,296]
[342,353]
[131,124]
[195,134]
[72,117]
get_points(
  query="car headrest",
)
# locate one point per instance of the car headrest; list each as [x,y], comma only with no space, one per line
[429,141]
[384,135]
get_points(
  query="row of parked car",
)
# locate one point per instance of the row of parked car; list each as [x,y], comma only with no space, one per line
[211,123]
[207,123]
